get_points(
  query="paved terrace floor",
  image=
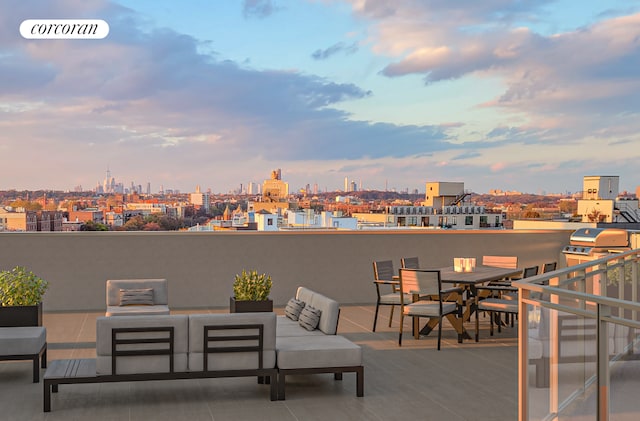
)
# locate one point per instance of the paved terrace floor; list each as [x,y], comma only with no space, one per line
[468,381]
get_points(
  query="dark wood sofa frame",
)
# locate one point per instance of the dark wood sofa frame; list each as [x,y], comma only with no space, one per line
[83,371]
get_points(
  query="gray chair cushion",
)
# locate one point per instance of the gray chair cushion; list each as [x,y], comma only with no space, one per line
[497,304]
[428,309]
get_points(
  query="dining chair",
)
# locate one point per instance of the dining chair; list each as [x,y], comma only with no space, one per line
[387,288]
[428,299]
[513,295]
[527,272]
[501,299]
[495,307]
[549,267]
[507,262]
[409,263]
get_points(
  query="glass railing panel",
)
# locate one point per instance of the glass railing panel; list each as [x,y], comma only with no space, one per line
[538,373]
[624,373]
[575,354]
[562,343]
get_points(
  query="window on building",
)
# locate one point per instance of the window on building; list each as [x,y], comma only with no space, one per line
[468,220]
[269,221]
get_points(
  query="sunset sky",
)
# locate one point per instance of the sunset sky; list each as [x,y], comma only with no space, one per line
[526,95]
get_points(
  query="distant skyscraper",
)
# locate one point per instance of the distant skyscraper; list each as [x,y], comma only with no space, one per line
[148,187]
[109,184]
[274,189]
[346,184]
[200,199]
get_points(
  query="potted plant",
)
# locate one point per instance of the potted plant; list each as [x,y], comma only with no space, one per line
[21,294]
[251,293]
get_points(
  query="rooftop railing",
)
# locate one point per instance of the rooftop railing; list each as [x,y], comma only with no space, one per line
[578,341]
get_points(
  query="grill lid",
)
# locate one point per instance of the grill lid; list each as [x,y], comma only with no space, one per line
[600,237]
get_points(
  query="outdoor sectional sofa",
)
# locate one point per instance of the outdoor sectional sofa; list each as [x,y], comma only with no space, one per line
[166,347]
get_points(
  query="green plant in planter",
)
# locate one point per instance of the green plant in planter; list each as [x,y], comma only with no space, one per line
[249,286]
[21,287]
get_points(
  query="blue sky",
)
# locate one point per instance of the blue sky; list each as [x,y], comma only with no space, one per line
[527,95]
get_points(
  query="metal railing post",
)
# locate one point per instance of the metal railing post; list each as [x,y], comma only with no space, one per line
[523,356]
[603,363]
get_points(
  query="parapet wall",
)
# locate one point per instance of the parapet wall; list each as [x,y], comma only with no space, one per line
[200,266]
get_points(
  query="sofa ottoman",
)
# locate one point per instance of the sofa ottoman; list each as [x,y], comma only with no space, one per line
[25,343]
[318,354]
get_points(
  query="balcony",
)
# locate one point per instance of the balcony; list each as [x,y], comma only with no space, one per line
[461,382]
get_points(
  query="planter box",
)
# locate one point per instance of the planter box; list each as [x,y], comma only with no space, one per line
[250,306]
[15,316]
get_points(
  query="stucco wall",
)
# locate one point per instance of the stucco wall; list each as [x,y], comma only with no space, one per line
[200,266]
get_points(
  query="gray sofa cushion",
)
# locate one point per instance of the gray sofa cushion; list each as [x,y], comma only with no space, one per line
[288,327]
[317,352]
[137,310]
[329,308]
[146,364]
[160,289]
[26,340]
[231,361]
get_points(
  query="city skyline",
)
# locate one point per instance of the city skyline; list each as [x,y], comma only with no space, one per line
[528,96]
[118,185]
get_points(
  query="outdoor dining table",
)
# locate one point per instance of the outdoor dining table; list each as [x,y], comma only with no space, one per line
[469,281]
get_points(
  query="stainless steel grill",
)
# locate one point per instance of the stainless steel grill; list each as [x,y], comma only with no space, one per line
[593,243]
